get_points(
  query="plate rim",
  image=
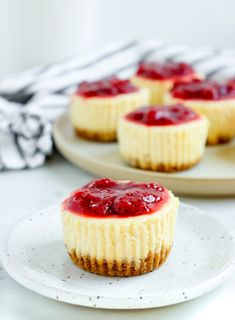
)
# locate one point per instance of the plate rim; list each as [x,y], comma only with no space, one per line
[108,302]
[56,136]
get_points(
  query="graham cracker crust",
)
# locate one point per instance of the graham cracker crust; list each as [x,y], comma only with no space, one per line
[121,269]
[97,136]
[161,167]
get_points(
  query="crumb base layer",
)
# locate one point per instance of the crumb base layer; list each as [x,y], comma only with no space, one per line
[96,136]
[163,167]
[123,268]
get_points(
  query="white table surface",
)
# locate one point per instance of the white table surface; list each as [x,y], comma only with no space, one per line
[29,190]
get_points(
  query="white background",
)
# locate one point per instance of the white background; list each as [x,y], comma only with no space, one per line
[34,32]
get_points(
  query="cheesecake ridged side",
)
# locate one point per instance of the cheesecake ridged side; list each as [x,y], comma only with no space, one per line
[97,118]
[220,114]
[157,88]
[162,148]
[121,246]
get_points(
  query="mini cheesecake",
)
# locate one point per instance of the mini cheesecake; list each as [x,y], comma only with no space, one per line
[96,107]
[170,138]
[119,228]
[213,100]
[160,78]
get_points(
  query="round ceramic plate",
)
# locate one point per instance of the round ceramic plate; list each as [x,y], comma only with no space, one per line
[201,258]
[214,175]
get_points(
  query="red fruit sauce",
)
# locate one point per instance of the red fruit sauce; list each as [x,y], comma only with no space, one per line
[162,116]
[164,71]
[106,198]
[204,90]
[105,88]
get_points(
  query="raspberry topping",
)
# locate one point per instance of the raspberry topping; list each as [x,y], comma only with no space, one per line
[231,85]
[162,116]
[105,88]
[158,71]
[107,198]
[204,90]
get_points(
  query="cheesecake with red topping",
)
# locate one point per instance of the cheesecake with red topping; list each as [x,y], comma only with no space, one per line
[214,100]
[119,228]
[170,138]
[159,78]
[96,107]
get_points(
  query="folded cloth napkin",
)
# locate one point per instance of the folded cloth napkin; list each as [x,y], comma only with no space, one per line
[31,101]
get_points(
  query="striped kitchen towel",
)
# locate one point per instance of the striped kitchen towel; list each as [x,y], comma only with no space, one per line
[31,101]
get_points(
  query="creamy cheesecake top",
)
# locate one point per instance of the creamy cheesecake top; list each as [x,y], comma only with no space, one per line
[204,90]
[163,116]
[106,198]
[105,88]
[165,71]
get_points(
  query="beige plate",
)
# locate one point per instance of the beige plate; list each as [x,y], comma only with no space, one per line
[214,175]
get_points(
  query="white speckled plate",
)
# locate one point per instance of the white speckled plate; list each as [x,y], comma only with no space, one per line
[214,175]
[202,257]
